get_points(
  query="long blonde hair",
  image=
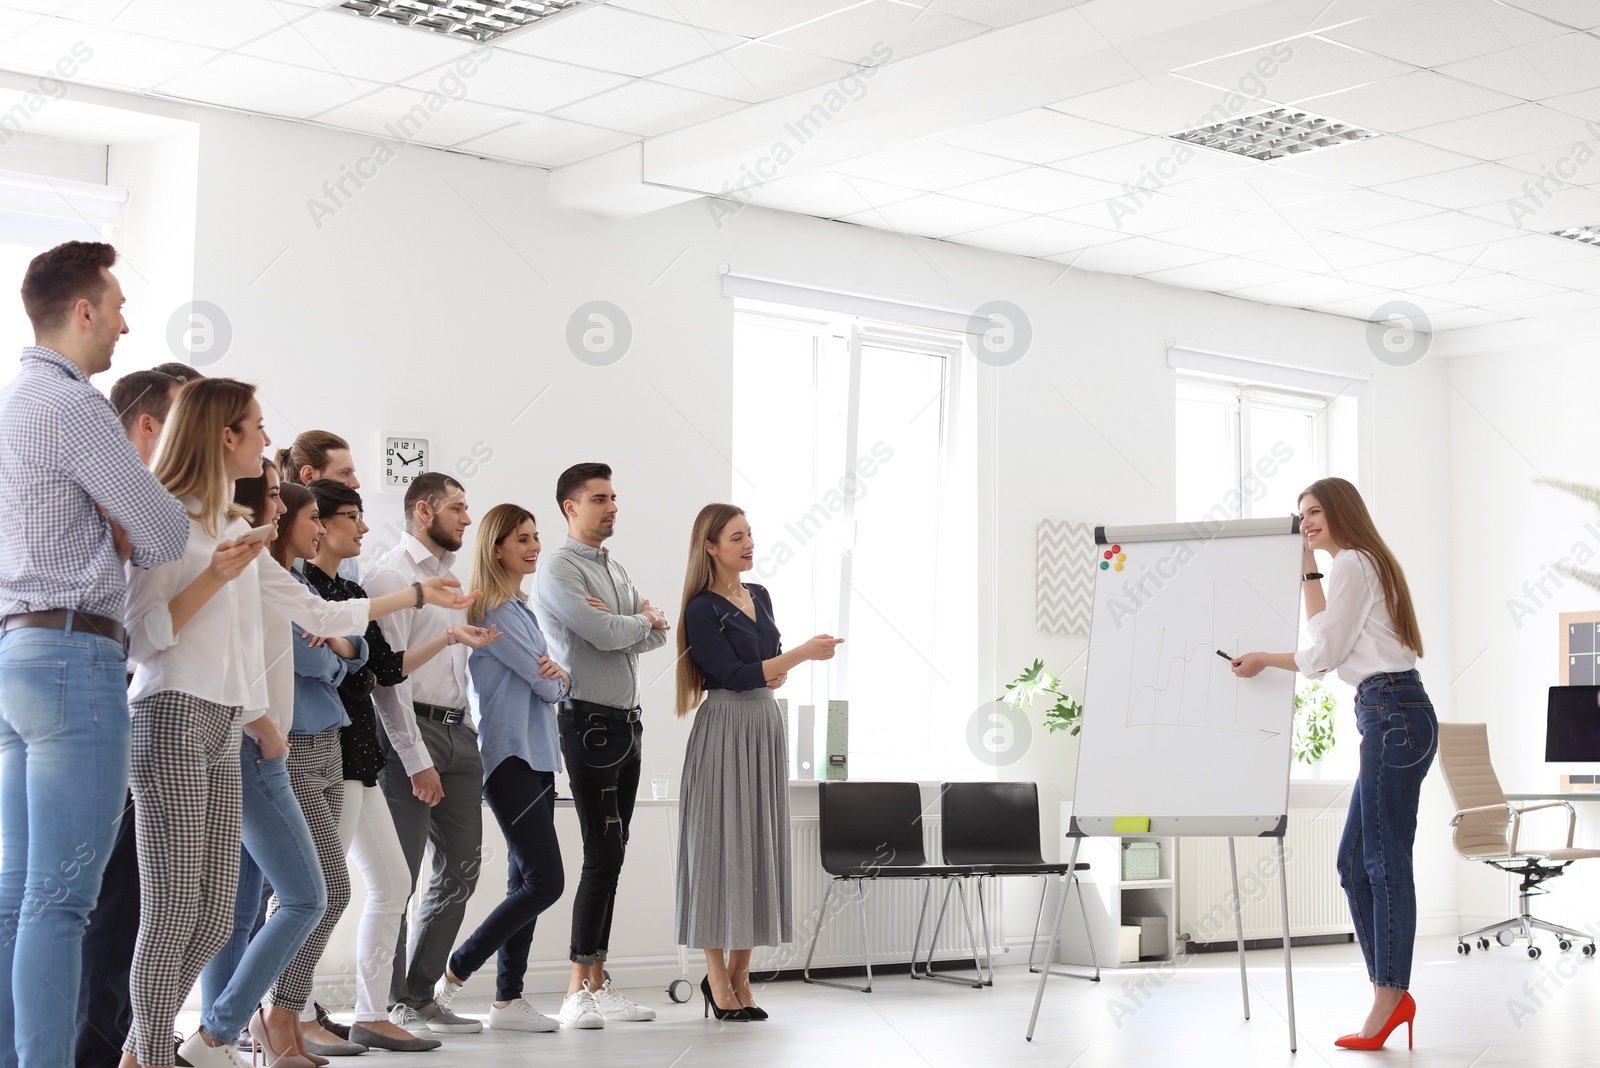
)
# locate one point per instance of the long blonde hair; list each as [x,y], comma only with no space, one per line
[488,574]
[1351,526]
[189,459]
[708,526]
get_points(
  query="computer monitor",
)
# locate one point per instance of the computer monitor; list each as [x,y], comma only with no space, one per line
[1572,725]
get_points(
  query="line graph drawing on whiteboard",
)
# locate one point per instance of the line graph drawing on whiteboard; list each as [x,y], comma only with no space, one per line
[1190,689]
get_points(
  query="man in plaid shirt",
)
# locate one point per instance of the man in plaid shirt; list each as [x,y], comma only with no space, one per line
[75,504]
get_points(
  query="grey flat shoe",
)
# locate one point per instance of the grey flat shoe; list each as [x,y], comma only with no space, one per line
[335,1049]
[373,1040]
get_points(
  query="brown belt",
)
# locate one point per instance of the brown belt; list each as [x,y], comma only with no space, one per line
[64,619]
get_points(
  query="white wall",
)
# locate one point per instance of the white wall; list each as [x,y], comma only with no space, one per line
[435,303]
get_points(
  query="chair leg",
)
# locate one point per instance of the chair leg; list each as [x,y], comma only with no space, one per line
[822,918]
[1044,892]
[816,932]
[866,937]
[988,943]
[922,915]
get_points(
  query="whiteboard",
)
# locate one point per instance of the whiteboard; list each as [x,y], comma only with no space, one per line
[1169,732]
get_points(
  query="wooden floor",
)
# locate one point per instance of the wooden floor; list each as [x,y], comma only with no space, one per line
[1490,1008]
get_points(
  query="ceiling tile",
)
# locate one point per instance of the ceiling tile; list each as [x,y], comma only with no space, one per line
[1412,271]
[527,83]
[1038,190]
[1577,165]
[403,114]
[757,71]
[877,31]
[1482,183]
[1153,162]
[200,22]
[375,49]
[1323,252]
[647,108]
[1366,307]
[1149,214]
[1157,104]
[1134,255]
[1300,67]
[1443,31]
[126,60]
[1378,159]
[1037,236]
[1254,189]
[268,88]
[1420,98]
[547,142]
[1559,210]
[1554,304]
[1585,105]
[1581,273]
[827,195]
[997,12]
[1304,292]
[1038,136]
[1508,132]
[743,18]
[1519,253]
[932,215]
[1357,208]
[609,38]
[1431,233]
[1566,64]
[1488,289]
[1579,14]
[1222,275]
[926,165]
[1234,236]
[1466,317]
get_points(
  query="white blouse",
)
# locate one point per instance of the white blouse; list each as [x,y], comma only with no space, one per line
[236,650]
[1354,636]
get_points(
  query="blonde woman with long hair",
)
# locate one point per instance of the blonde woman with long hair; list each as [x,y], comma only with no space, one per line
[1365,629]
[733,866]
[197,638]
[518,686]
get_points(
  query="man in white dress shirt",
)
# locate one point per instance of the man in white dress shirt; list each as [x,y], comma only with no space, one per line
[434,776]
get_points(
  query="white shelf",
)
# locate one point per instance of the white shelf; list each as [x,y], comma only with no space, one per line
[1148,884]
[1108,898]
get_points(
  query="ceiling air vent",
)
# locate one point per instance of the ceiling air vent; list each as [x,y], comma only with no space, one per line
[472,20]
[1273,134]
[1589,235]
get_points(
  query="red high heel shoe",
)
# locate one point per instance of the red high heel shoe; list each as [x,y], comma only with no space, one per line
[1404,1013]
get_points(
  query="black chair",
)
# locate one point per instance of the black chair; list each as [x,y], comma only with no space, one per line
[871,831]
[993,829]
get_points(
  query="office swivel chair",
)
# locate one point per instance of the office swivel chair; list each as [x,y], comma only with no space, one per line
[1487,830]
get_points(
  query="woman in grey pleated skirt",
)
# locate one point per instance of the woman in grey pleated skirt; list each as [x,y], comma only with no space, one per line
[733,861]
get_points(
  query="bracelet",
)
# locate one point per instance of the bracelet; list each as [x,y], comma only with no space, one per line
[418,587]
[450,635]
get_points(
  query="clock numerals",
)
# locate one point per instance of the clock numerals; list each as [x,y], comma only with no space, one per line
[403,460]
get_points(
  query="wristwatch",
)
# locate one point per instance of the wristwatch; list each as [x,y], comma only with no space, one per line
[1311,575]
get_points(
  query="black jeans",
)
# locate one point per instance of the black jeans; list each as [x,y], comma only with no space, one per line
[602,752]
[104,1010]
[524,804]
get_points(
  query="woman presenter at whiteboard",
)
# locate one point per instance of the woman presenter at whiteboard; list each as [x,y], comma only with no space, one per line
[1364,629]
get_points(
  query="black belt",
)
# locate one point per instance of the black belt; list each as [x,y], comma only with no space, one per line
[447,716]
[68,620]
[589,708]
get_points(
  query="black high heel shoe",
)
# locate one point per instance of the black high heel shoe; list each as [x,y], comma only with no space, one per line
[712,1006]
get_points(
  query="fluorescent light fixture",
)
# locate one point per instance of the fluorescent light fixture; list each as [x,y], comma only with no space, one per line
[473,20]
[1589,235]
[1273,134]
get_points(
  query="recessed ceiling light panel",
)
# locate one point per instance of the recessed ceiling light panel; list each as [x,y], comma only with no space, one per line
[1589,235]
[473,20]
[1273,134]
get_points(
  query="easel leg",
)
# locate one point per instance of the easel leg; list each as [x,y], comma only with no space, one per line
[1288,959]
[1055,936]
[1238,927]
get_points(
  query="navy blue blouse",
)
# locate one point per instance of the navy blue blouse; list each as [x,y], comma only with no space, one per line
[727,645]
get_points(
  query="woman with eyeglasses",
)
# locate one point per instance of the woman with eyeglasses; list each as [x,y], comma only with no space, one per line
[200,638]
[361,826]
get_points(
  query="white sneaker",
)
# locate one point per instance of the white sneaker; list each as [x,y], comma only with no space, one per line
[580,1010]
[444,991]
[614,1006]
[403,1015]
[197,1053]
[520,1016]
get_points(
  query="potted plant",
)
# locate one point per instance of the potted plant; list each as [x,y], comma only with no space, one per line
[1064,714]
[1314,706]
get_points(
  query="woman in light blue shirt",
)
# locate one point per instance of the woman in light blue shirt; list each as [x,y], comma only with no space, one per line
[518,685]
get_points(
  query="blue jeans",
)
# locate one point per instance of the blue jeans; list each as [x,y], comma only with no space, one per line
[277,846]
[1399,736]
[64,752]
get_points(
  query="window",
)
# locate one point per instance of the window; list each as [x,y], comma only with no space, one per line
[844,437]
[1245,452]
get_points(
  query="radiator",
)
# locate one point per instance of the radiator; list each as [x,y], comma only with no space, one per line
[1317,904]
[892,906]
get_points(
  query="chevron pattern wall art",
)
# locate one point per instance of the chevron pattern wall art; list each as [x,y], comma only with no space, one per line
[1066,576]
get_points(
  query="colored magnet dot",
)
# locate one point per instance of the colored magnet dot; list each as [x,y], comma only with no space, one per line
[1109,554]
[1104,564]
[1121,557]
[1116,548]
[1117,567]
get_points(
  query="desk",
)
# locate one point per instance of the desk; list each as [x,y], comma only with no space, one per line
[1570,795]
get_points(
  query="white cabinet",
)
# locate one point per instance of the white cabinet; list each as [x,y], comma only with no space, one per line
[1112,901]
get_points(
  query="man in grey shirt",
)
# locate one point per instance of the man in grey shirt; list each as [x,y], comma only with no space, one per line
[597,625]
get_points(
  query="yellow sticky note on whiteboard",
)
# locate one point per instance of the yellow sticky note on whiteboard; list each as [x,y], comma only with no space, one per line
[1130,824]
